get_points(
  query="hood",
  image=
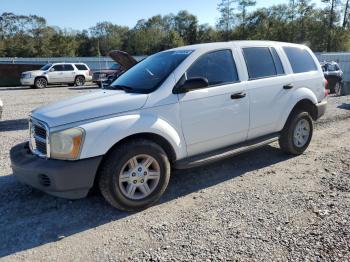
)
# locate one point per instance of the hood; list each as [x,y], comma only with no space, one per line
[94,105]
[123,59]
[105,71]
[35,72]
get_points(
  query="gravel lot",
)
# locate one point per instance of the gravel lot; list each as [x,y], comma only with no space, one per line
[259,206]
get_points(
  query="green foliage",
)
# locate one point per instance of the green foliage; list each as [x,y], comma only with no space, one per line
[299,21]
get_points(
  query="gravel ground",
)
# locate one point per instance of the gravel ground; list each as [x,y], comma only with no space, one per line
[259,206]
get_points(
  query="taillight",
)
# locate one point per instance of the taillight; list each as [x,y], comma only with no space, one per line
[325,87]
[90,73]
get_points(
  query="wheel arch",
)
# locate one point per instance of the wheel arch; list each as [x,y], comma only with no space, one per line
[79,75]
[124,128]
[153,137]
[41,77]
[302,99]
[304,104]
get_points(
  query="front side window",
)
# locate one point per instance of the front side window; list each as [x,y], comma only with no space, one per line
[300,59]
[58,68]
[149,74]
[68,67]
[260,63]
[218,67]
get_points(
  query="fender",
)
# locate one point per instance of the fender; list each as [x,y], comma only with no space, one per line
[298,95]
[103,135]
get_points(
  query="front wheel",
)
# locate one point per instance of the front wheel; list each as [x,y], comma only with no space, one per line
[297,133]
[40,82]
[134,176]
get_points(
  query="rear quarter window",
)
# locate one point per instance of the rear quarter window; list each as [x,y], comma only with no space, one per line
[300,59]
[81,67]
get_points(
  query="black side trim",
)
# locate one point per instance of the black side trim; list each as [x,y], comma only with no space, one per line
[219,154]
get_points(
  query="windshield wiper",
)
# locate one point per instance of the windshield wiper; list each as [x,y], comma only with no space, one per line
[121,87]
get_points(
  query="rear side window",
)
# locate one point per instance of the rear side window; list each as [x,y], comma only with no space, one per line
[81,67]
[277,61]
[300,59]
[260,63]
[218,67]
[68,68]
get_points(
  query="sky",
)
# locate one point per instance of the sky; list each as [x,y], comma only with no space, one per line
[83,14]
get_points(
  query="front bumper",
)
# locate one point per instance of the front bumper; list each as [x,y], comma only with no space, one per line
[321,108]
[27,81]
[67,179]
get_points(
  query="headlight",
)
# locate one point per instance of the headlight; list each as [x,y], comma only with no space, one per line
[29,75]
[66,145]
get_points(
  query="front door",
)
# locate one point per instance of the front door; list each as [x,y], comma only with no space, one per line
[217,116]
[55,75]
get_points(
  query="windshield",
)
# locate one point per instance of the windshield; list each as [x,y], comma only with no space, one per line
[149,74]
[114,67]
[46,67]
[332,67]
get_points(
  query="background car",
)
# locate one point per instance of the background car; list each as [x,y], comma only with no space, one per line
[105,77]
[334,76]
[57,73]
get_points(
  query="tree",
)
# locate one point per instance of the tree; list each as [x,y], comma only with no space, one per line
[227,18]
[186,25]
[346,14]
[332,16]
[243,5]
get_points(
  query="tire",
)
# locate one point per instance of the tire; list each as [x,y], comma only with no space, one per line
[79,81]
[141,186]
[338,89]
[297,133]
[40,83]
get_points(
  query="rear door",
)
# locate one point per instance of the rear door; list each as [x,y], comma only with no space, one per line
[216,116]
[69,73]
[269,89]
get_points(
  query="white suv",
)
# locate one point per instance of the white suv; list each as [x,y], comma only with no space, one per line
[179,108]
[58,73]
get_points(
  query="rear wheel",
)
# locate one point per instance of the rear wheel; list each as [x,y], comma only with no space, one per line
[79,81]
[297,133]
[133,176]
[40,82]
[338,89]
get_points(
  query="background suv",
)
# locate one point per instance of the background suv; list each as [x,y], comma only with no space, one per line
[57,73]
[334,76]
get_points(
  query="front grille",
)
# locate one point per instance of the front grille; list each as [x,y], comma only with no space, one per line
[38,138]
[98,76]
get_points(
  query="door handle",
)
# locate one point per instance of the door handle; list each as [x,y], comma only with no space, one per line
[288,86]
[238,95]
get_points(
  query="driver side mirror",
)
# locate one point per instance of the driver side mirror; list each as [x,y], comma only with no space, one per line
[52,70]
[192,84]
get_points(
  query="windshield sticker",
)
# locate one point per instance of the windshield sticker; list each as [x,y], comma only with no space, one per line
[183,52]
